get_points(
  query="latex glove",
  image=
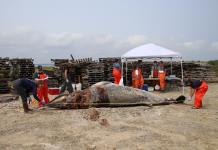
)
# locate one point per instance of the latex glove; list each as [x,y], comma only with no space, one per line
[189,98]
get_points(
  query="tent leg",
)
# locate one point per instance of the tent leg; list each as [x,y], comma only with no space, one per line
[122,70]
[171,71]
[183,89]
[126,72]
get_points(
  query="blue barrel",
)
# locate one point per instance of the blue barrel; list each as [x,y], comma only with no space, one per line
[145,87]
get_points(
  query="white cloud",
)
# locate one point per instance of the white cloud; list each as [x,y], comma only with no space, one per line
[103,39]
[62,39]
[214,45]
[195,45]
[42,47]
[136,39]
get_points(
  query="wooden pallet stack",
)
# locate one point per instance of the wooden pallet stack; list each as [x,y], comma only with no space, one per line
[58,74]
[89,72]
[22,68]
[80,71]
[108,67]
[52,82]
[5,70]
[199,70]
[58,62]
[95,73]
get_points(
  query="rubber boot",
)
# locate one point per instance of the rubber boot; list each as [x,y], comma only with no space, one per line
[25,107]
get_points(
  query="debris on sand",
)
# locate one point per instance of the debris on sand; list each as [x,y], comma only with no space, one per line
[93,115]
[7,99]
[104,122]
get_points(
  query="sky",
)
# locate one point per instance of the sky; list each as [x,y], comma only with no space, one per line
[47,29]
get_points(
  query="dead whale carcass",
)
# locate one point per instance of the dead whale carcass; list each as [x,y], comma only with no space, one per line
[107,94]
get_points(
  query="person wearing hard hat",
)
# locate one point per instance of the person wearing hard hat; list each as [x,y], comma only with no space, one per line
[42,90]
[137,78]
[116,72]
[23,87]
[199,89]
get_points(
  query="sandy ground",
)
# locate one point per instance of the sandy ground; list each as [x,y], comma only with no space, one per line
[160,127]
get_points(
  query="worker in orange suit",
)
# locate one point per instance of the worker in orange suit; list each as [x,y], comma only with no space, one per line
[199,88]
[137,78]
[155,69]
[154,73]
[42,90]
[162,75]
[116,72]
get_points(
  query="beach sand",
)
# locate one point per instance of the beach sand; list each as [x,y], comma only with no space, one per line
[174,126]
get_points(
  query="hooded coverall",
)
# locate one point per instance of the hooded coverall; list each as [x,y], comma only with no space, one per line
[137,78]
[42,90]
[199,93]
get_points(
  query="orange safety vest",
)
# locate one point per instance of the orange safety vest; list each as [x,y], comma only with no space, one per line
[117,75]
[45,82]
[155,73]
[162,76]
[42,91]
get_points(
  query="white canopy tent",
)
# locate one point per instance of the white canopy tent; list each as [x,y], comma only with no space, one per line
[151,51]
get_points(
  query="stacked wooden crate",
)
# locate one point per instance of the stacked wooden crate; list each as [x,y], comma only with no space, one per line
[199,70]
[108,67]
[22,68]
[85,71]
[95,73]
[5,70]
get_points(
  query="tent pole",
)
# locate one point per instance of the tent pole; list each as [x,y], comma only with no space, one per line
[126,72]
[171,71]
[183,89]
[122,67]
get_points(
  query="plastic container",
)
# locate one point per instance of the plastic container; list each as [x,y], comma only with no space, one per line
[157,87]
[150,89]
[145,87]
[53,91]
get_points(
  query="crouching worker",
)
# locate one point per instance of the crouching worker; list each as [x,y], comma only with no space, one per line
[23,87]
[199,88]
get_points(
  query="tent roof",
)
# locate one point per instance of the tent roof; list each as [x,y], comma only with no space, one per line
[150,50]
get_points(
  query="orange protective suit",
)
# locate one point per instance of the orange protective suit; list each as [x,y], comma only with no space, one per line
[155,73]
[137,80]
[116,75]
[42,90]
[199,94]
[162,75]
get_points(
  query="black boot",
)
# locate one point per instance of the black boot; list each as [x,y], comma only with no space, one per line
[25,107]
